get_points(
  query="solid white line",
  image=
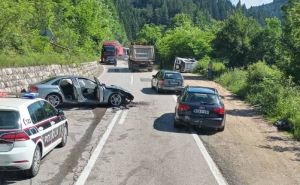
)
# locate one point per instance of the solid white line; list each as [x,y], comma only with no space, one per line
[175,98]
[123,117]
[87,169]
[131,81]
[211,164]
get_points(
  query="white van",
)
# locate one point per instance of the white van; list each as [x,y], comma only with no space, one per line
[184,65]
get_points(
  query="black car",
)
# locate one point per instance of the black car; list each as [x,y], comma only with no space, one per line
[200,107]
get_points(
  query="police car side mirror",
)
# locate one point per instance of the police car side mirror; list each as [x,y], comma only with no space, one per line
[60,112]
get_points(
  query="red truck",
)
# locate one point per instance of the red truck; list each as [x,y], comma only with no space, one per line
[111,50]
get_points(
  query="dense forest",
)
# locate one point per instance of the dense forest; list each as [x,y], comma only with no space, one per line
[262,12]
[136,13]
[258,63]
[55,31]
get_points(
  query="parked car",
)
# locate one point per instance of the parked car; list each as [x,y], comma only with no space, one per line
[200,107]
[76,89]
[165,80]
[29,129]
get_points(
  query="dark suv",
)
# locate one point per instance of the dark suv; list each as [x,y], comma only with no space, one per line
[200,107]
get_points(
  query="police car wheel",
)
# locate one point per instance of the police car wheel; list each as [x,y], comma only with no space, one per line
[64,137]
[36,162]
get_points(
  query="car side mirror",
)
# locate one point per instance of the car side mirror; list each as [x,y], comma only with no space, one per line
[154,76]
[60,112]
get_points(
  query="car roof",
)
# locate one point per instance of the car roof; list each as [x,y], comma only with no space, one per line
[200,89]
[16,103]
[169,71]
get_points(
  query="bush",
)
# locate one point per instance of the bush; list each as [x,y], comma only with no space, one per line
[235,81]
[202,65]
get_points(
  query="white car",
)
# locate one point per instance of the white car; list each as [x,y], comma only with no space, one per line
[29,129]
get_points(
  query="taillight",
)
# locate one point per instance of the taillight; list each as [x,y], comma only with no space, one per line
[33,89]
[161,82]
[16,136]
[183,107]
[219,110]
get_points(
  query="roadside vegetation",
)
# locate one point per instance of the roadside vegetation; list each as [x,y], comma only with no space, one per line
[258,63]
[48,31]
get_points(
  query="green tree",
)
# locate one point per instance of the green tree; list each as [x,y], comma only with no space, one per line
[150,34]
[233,41]
[291,36]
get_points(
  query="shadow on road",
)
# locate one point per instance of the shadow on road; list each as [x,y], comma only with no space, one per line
[150,91]
[12,177]
[67,107]
[165,124]
[118,70]
[242,112]
[188,76]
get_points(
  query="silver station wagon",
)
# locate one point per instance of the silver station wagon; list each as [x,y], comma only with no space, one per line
[76,89]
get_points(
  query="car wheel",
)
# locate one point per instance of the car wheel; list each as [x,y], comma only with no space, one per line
[54,99]
[36,162]
[221,129]
[116,99]
[177,125]
[64,136]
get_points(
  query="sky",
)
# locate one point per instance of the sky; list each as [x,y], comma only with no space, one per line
[250,3]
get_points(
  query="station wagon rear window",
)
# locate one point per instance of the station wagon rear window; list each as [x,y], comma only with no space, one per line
[202,98]
[9,119]
[176,76]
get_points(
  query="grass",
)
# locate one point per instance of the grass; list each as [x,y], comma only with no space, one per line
[36,59]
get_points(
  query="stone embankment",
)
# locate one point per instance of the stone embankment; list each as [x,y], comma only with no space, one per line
[13,80]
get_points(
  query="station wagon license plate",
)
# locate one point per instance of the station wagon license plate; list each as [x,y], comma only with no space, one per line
[201,111]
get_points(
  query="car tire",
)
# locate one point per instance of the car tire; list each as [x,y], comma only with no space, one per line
[116,99]
[221,129]
[64,137]
[54,99]
[36,162]
[176,124]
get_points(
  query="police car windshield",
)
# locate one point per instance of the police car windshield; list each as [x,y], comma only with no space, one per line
[176,76]
[9,119]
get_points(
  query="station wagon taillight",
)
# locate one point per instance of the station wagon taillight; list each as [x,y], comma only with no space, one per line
[219,110]
[15,136]
[183,107]
[33,89]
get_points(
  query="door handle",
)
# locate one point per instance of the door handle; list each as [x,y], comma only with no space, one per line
[41,128]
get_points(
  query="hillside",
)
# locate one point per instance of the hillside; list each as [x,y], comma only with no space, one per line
[135,13]
[40,32]
[267,10]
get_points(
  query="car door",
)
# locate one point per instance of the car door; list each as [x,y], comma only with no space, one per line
[78,89]
[154,79]
[100,90]
[42,123]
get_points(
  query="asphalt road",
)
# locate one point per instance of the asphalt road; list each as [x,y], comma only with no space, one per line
[132,145]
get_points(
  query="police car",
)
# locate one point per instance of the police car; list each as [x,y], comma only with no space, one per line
[29,129]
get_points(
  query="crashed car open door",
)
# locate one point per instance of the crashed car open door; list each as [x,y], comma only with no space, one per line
[100,91]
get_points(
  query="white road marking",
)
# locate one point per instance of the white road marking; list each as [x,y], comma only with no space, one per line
[87,169]
[123,117]
[175,98]
[211,164]
[131,81]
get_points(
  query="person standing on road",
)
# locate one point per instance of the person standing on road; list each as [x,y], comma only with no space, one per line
[210,70]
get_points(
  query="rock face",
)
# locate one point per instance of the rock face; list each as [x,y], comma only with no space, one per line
[12,80]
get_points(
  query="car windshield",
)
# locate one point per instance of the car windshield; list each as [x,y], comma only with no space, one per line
[9,119]
[176,76]
[109,49]
[202,98]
